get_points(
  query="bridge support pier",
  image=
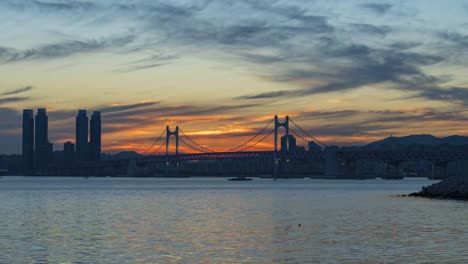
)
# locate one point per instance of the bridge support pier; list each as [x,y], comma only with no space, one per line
[392,170]
[172,168]
[332,162]
[439,170]
[349,167]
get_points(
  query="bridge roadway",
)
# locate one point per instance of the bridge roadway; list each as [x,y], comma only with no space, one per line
[228,155]
[390,155]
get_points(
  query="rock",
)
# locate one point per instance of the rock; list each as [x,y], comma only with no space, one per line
[450,188]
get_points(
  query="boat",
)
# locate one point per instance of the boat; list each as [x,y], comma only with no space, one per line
[240,179]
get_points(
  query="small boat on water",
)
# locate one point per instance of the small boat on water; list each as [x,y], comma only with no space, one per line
[240,179]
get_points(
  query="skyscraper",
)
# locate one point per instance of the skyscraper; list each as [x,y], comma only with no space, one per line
[95,136]
[42,145]
[292,143]
[28,141]
[81,134]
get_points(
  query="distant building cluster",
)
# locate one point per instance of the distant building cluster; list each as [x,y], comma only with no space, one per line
[37,150]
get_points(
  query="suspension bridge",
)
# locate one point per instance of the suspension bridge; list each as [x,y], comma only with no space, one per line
[252,148]
[248,147]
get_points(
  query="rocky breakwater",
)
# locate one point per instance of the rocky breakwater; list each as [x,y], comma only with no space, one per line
[450,188]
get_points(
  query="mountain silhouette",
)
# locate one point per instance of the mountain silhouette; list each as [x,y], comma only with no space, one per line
[422,140]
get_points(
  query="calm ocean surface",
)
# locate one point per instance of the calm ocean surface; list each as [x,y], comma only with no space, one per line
[60,220]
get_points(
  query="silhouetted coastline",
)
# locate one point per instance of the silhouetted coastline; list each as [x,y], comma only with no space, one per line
[450,188]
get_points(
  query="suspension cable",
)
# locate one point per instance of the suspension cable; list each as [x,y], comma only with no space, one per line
[298,135]
[252,138]
[196,144]
[256,143]
[160,146]
[307,134]
[154,143]
[192,147]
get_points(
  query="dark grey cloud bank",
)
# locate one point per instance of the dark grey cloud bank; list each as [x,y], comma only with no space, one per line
[14,96]
[287,42]
[377,8]
[62,49]
[17,91]
[122,117]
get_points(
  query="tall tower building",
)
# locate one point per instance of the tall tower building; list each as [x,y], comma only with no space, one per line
[28,141]
[292,144]
[42,145]
[95,136]
[42,125]
[81,134]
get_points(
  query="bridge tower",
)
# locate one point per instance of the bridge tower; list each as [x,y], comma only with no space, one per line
[170,133]
[278,125]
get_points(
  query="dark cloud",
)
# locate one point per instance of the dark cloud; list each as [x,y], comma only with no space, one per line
[125,107]
[362,65]
[50,6]
[13,99]
[360,123]
[7,98]
[63,6]
[450,94]
[63,49]
[120,118]
[170,111]
[372,29]
[109,110]
[455,38]
[404,45]
[17,91]
[329,114]
[266,95]
[377,8]
[149,62]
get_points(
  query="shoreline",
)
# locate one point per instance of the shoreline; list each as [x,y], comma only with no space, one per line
[452,188]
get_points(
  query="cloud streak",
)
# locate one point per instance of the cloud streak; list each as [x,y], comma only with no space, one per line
[11,96]
[17,91]
[377,8]
[63,49]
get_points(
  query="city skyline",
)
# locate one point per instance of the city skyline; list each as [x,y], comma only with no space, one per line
[351,73]
[38,153]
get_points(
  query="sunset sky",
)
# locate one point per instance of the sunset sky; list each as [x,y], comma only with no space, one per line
[349,72]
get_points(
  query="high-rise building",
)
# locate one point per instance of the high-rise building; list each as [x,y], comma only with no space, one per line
[42,125]
[43,148]
[81,134]
[69,153]
[292,143]
[95,136]
[28,141]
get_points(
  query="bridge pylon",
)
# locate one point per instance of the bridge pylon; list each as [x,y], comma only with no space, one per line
[278,125]
[170,133]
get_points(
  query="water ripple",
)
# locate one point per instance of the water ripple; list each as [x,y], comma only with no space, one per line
[54,220]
